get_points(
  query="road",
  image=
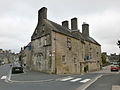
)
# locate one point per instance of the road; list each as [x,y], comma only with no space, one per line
[105,82]
[102,80]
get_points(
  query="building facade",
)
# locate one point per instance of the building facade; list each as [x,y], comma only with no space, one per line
[57,49]
[6,56]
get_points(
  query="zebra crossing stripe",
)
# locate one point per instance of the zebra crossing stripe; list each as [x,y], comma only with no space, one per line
[85,80]
[3,77]
[74,80]
[65,79]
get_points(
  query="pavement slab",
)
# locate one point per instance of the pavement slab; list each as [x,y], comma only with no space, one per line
[116,87]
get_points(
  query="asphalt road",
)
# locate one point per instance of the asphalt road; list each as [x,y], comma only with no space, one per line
[105,82]
[42,81]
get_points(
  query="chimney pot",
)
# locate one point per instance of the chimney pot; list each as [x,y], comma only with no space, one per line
[74,25]
[42,14]
[65,24]
[85,29]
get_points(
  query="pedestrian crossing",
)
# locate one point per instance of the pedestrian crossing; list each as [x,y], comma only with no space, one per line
[66,79]
[84,81]
[72,79]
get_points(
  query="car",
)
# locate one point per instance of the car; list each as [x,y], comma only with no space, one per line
[114,67]
[17,70]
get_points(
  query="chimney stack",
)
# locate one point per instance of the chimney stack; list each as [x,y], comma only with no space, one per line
[74,25]
[65,24]
[85,29]
[42,14]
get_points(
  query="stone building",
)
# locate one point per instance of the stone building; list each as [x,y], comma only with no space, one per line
[57,49]
[6,56]
[114,57]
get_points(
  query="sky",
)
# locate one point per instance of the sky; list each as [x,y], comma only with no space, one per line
[18,19]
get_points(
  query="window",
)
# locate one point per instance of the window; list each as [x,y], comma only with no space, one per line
[75,60]
[47,40]
[87,58]
[97,54]
[69,45]
[90,48]
[63,59]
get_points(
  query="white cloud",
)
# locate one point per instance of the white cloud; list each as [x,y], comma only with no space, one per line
[18,19]
[15,32]
[105,28]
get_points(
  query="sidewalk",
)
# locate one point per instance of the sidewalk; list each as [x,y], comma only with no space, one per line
[31,76]
[115,87]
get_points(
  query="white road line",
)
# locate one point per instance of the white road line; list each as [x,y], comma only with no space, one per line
[74,80]
[65,79]
[85,86]
[85,80]
[3,77]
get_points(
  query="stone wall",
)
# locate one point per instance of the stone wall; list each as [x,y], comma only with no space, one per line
[74,55]
[41,54]
[93,56]
[69,48]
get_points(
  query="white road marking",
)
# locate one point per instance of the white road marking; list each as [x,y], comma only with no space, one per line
[74,80]
[85,80]
[84,87]
[66,79]
[3,77]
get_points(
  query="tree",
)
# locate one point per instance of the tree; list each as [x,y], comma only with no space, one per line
[103,59]
[119,55]
[118,43]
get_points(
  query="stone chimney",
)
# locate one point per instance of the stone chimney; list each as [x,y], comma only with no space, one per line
[85,29]
[65,24]
[74,25]
[42,14]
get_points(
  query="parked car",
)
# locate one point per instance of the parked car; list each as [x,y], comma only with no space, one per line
[17,70]
[114,67]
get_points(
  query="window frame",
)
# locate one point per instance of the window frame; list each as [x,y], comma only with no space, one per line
[63,59]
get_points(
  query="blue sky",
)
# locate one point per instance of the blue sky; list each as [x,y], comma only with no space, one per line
[18,19]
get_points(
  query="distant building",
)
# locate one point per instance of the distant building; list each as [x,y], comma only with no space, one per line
[6,56]
[57,49]
[113,57]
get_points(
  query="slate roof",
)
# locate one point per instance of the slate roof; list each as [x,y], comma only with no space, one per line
[90,39]
[50,25]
